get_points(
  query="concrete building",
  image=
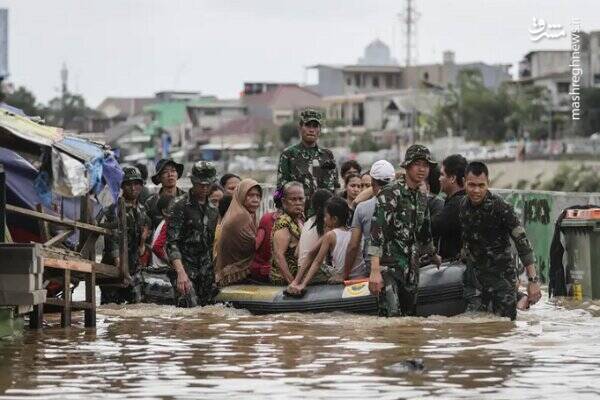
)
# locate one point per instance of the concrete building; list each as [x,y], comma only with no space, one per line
[335,80]
[208,117]
[280,103]
[385,110]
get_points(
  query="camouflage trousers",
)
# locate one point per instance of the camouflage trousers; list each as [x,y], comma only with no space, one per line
[399,295]
[491,292]
[202,292]
[119,295]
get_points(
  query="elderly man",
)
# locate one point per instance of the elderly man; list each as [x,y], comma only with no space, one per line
[401,232]
[306,162]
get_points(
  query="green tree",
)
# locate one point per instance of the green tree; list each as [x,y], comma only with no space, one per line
[287,132]
[364,142]
[25,100]
[69,112]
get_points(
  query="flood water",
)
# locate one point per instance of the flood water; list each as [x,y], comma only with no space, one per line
[148,351]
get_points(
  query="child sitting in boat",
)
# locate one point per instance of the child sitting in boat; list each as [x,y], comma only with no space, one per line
[334,245]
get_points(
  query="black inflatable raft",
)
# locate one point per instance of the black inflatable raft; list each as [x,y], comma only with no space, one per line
[440,293]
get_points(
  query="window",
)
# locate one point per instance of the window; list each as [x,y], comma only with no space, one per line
[376,81]
[357,80]
[596,79]
[210,111]
[349,81]
[563,87]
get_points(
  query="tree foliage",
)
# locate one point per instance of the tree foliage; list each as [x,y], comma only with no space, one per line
[287,132]
[24,100]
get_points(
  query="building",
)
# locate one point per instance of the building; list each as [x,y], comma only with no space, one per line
[206,117]
[114,110]
[395,110]
[280,103]
[383,74]
[446,74]
[129,140]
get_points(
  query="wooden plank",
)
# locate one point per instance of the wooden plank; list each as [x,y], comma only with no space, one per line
[58,238]
[90,298]
[78,264]
[58,220]
[89,247]
[44,226]
[75,305]
[65,317]
[123,245]
[68,265]
[85,215]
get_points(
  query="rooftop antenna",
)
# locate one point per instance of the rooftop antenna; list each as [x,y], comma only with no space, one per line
[408,22]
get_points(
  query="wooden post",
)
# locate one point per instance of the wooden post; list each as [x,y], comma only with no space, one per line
[65,319]
[85,215]
[36,317]
[123,245]
[44,226]
[90,297]
[2,204]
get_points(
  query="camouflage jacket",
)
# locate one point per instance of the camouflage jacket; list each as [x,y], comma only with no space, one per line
[296,164]
[401,225]
[486,232]
[136,221]
[190,234]
[152,208]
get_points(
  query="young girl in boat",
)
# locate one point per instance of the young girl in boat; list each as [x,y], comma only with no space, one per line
[334,244]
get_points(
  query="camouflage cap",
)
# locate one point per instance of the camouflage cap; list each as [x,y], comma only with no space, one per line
[131,174]
[310,114]
[417,152]
[203,172]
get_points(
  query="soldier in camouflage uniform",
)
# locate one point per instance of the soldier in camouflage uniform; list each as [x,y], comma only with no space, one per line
[138,229]
[167,174]
[190,236]
[401,235]
[488,224]
[306,162]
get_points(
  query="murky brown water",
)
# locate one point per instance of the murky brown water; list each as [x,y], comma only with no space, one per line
[148,351]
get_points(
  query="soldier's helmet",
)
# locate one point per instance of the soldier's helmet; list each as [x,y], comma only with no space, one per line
[131,174]
[310,114]
[203,172]
[417,152]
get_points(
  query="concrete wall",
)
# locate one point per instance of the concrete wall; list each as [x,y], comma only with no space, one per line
[331,81]
[539,211]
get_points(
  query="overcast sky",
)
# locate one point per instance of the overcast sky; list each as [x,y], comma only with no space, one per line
[138,47]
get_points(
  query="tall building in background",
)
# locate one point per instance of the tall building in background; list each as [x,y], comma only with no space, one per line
[3,43]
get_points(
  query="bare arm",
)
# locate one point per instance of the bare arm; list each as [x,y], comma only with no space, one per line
[327,243]
[306,263]
[281,241]
[352,251]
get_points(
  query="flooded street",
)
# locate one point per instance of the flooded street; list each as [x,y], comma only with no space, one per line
[147,351]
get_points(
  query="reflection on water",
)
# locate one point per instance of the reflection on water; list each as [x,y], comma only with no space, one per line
[146,351]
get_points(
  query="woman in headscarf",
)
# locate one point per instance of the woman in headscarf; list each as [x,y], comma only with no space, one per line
[238,235]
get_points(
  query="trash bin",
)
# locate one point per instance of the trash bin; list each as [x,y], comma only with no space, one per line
[581,229]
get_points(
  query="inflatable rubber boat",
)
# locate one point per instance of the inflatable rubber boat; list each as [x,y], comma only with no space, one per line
[440,293]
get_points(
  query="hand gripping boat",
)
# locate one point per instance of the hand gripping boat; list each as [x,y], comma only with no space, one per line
[440,293]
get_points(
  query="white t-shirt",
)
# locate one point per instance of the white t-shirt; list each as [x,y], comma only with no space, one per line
[308,239]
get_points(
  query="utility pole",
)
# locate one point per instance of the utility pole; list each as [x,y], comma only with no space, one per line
[408,21]
[64,77]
